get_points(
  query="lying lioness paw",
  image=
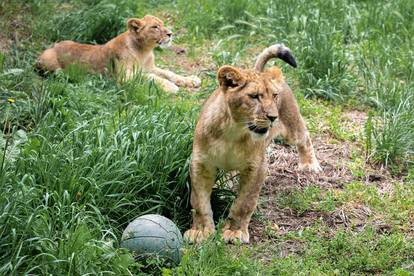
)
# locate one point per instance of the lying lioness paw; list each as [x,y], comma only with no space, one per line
[126,54]
[237,123]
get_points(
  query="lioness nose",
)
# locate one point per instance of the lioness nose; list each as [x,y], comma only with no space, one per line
[271,118]
[169,34]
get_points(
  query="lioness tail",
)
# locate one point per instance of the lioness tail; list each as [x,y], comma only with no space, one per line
[275,51]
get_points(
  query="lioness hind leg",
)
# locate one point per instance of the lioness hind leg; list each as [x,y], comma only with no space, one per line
[292,128]
[48,61]
[307,157]
[236,227]
[202,182]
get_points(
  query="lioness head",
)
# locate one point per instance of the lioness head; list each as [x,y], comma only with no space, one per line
[252,97]
[149,31]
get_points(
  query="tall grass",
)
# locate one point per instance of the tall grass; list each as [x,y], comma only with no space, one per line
[96,22]
[386,65]
[358,52]
[97,155]
[205,17]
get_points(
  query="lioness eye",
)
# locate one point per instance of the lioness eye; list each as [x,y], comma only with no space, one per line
[155,27]
[254,96]
[275,96]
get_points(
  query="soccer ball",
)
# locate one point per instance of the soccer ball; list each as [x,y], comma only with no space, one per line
[153,235]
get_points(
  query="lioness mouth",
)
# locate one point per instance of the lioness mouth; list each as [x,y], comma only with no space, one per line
[164,41]
[258,130]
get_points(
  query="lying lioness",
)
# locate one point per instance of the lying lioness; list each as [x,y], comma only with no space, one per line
[127,53]
[236,124]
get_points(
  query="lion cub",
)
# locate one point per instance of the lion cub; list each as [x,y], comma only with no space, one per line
[126,54]
[237,123]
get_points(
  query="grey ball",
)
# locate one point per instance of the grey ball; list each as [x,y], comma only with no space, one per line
[153,235]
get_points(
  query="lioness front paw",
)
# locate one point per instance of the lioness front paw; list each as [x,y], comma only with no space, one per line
[191,82]
[197,236]
[195,81]
[170,87]
[310,167]
[232,236]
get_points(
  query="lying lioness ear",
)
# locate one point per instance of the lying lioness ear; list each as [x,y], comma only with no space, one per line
[230,77]
[135,24]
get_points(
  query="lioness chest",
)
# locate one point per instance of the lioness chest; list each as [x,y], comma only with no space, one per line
[137,60]
[222,143]
[128,56]
[234,155]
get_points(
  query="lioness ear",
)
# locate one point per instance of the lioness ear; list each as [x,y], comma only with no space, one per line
[135,24]
[230,77]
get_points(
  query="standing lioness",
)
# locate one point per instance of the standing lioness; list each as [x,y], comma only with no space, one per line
[126,54]
[237,123]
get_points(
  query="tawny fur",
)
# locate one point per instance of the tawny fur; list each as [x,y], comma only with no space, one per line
[223,140]
[126,54]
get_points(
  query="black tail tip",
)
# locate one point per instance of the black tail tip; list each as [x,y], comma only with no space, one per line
[287,57]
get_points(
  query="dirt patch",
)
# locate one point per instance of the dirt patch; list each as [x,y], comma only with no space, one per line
[355,120]
[274,220]
[284,177]
[15,27]
[177,58]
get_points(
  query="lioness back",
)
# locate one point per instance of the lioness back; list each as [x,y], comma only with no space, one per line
[95,58]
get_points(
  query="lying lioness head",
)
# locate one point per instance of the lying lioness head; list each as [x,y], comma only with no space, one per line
[149,31]
[236,124]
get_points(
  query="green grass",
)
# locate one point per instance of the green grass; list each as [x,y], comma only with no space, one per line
[82,155]
[96,21]
[361,253]
[308,199]
[91,164]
